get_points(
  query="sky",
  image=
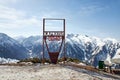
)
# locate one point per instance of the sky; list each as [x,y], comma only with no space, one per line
[100,18]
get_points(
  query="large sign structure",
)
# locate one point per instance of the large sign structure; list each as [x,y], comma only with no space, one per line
[53,35]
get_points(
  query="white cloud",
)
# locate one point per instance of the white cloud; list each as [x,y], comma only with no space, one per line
[10,13]
[88,10]
[11,18]
[4,2]
[16,22]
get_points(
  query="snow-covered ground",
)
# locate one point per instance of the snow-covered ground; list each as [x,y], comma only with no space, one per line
[48,72]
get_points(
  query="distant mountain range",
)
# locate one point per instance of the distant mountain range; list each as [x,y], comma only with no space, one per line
[88,49]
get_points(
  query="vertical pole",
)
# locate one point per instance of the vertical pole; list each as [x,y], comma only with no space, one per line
[64,39]
[43,39]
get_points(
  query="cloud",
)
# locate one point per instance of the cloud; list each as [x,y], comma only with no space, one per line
[14,21]
[4,2]
[89,10]
[10,13]
[18,22]
[11,18]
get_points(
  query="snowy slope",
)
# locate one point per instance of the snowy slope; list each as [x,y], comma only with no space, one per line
[33,44]
[10,48]
[116,58]
[7,60]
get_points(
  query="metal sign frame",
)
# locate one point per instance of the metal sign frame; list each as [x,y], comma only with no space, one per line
[53,34]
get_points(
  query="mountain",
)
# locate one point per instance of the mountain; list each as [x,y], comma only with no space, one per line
[88,49]
[85,48]
[10,48]
[19,38]
[91,49]
[34,45]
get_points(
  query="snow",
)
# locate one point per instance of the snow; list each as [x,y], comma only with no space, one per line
[78,38]
[117,54]
[5,39]
[84,38]
[108,61]
[30,53]
[8,60]
[110,40]
[81,64]
[98,41]
[116,58]
[48,72]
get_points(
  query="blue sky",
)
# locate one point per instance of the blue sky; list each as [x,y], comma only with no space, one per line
[100,18]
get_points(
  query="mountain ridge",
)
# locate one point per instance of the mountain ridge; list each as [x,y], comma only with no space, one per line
[83,47]
[10,48]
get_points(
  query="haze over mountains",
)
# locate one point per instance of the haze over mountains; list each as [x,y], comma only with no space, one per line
[85,48]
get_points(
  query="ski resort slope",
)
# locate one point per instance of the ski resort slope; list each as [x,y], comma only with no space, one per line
[48,72]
